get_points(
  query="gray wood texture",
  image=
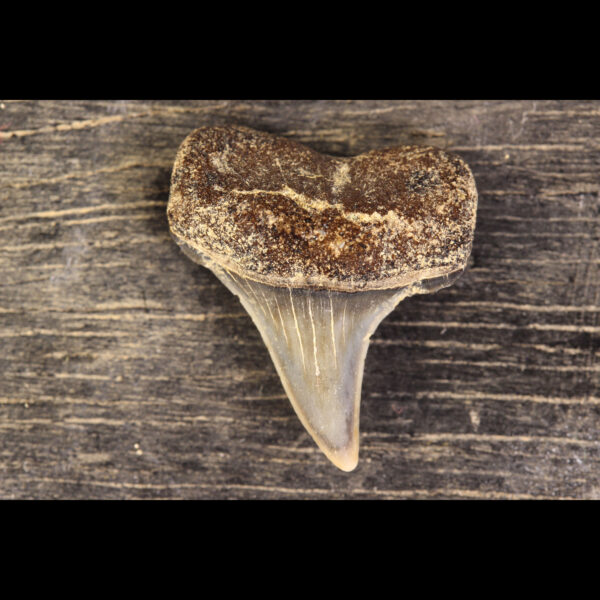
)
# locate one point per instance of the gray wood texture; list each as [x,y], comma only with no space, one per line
[127,371]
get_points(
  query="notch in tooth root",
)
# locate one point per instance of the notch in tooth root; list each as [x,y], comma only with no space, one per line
[318,341]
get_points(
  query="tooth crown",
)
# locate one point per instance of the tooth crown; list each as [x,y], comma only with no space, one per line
[279,213]
[318,340]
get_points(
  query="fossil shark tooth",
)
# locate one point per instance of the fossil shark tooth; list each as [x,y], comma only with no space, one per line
[319,250]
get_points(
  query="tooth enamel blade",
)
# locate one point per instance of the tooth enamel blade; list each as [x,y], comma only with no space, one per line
[318,340]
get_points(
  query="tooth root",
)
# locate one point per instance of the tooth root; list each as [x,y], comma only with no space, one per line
[318,340]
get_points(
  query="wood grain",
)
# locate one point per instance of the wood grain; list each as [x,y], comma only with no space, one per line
[127,371]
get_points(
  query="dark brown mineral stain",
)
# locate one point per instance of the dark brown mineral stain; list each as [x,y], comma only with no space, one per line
[280,213]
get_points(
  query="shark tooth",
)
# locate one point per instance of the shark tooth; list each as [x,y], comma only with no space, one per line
[319,250]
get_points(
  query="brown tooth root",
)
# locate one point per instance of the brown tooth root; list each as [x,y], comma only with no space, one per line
[319,250]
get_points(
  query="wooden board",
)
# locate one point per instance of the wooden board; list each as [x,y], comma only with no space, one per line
[127,371]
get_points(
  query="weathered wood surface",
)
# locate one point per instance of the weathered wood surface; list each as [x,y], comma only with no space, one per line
[127,371]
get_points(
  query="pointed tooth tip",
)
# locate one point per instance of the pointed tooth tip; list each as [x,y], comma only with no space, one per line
[345,459]
[344,456]
[347,466]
